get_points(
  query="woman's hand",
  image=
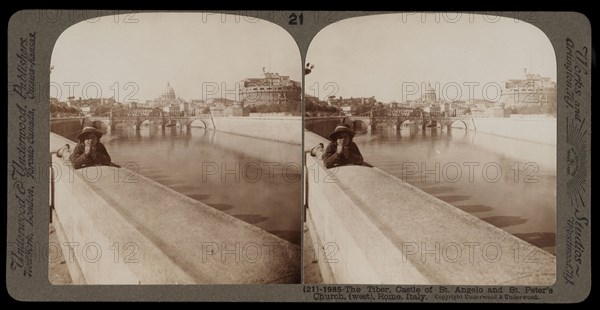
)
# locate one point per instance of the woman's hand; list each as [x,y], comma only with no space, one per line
[89,150]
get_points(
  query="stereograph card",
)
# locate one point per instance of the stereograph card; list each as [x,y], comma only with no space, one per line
[335,156]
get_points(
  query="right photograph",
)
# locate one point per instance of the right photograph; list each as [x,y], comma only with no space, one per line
[430,151]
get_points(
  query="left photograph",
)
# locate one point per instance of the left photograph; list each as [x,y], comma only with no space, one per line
[175,151]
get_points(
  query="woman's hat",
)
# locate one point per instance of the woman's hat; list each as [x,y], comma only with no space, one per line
[88,130]
[340,129]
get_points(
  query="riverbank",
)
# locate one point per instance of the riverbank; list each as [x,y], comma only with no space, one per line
[535,130]
[280,129]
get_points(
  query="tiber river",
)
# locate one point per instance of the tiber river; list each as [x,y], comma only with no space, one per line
[255,180]
[508,183]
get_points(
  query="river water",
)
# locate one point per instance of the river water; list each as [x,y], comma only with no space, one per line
[255,180]
[508,183]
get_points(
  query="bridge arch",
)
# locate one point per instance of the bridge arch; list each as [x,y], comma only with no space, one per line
[452,123]
[401,122]
[433,123]
[360,125]
[141,115]
[148,121]
[199,124]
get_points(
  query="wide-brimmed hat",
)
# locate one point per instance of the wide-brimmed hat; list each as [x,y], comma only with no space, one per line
[339,129]
[88,130]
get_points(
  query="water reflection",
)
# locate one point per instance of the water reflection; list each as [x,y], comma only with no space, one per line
[508,183]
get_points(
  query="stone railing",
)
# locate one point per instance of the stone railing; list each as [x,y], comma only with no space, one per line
[372,227]
[126,229]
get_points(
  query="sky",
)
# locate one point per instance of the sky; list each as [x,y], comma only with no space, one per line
[392,56]
[106,57]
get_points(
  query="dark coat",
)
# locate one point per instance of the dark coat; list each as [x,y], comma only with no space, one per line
[98,157]
[332,159]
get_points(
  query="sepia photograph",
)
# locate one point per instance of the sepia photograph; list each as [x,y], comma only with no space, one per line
[176,151]
[430,143]
[295,155]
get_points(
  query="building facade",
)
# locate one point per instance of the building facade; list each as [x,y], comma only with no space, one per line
[533,90]
[170,103]
[270,89]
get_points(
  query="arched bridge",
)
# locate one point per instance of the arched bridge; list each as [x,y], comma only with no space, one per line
[137,116]
[396,117]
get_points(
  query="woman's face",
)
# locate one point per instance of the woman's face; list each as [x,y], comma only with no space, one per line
[90,140]
[343,139]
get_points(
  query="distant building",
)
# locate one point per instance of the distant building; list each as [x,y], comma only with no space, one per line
[433,109]
[197,106]
[269,114]
[199,102]
[457,109]
[484,111]
[184,107]
[86,111]
[405,111]
[347,110]
[445,107]
[533,90]
[172,109]
[216,111]
[482,103]
[234,111]
[429,96]
[168,101]
[220,102]
[271,89]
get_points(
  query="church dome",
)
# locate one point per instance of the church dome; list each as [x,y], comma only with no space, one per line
[168,93]
[430,94]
